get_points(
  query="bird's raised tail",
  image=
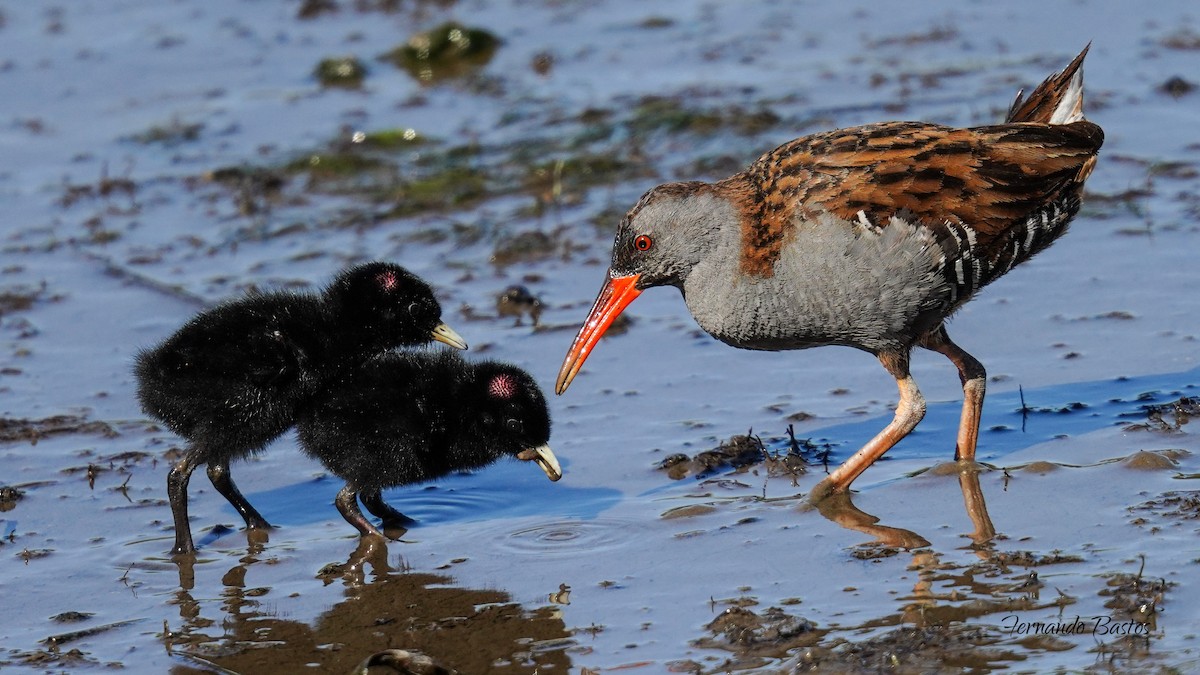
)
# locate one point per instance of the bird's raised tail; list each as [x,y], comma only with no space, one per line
[1057,100]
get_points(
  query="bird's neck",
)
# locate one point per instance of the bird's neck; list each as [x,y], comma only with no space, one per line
[705,225]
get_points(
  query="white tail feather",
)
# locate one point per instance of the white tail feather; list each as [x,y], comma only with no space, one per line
[1070,108]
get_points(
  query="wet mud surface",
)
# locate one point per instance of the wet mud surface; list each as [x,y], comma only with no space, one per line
[160,158]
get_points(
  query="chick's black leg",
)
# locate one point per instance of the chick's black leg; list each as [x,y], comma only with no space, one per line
[218,473]
[373,500]
[347,503]
[177,485]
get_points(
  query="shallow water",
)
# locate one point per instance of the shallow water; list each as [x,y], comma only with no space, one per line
[118,117]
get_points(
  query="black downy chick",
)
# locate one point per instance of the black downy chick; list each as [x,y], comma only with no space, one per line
[235,377]
[407,418]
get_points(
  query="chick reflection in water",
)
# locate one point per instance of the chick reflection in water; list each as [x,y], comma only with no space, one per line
[243,626]
[407,418]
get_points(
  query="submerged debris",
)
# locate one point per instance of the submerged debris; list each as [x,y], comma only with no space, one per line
[104,188]
[674,116]
[391,139]
[346,72]
[1184,39]
[1177,87]
[71,617]
[542,62]
[14,429]
[34,554]
[738,453]
[404,172]
[170,134]
[772,633]
[565,180]
[1176,505]
[525,247]
[311,9]
[961,647]
[1180,413]
[1135,600]
[517,301]
[63,638]
[448,51]
[44,658]
[257,178]
[20,297]
[253,189]
[1031,559]
[9,496]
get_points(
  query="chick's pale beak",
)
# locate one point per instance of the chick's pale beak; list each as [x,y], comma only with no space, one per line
[445,334]
[614,297]
[545,459]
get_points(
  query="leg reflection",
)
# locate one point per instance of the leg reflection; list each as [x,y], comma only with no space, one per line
[372,548]
[840,508]
[984,534]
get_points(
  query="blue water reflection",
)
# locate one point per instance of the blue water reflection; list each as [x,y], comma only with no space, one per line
[507,489]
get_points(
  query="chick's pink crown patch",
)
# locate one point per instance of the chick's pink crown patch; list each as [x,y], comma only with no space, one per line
[387,280]
[502,386]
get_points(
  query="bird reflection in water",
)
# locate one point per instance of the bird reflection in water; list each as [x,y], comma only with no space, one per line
[947,594]
[391,616]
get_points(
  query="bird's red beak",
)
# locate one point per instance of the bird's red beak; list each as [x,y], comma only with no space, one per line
[614,297]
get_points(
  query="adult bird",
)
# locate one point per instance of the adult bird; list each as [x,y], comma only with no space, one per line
[868,237]
[234,377]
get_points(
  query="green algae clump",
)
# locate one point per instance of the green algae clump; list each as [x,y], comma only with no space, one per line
[446,52]
[345,72]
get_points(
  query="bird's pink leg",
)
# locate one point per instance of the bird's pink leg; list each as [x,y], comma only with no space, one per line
[909,411]
[974,384]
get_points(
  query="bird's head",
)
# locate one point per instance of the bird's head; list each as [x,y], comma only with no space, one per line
[661,240]
[515,417]
[391,305]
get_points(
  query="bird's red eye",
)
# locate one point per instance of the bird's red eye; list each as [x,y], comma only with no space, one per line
[643,242]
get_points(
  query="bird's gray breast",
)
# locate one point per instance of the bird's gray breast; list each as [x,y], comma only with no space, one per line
[836,282]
